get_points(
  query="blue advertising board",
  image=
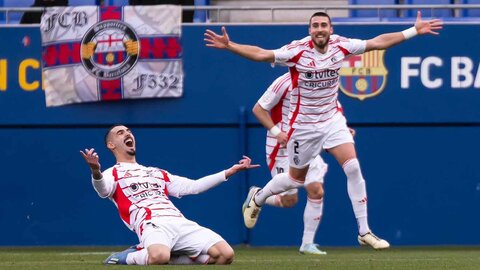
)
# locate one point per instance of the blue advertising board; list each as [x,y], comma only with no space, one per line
[414,106]
[424,80]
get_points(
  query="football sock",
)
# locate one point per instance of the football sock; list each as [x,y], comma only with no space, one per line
[274,200]
[357,192]
[311,219]
[138,258]
[279,183]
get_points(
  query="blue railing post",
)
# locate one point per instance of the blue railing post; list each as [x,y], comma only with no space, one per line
[244,181]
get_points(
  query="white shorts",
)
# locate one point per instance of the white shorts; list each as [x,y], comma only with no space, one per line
[181,235]
[305,144]
[316,171]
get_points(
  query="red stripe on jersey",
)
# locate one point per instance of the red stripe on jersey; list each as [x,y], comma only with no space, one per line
[281,84]
[339,107]
[115,174]
[321,121]
[295,75]
[165,177]
[276,111]
[123,203]
[149,214]
[329,110]
[273,155]
[277,116]
[345,51]
[296,58]
[297,44]
[136,215]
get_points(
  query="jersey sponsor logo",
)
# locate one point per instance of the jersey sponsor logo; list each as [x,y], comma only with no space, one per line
[110,49]
[364,76]
[145,185]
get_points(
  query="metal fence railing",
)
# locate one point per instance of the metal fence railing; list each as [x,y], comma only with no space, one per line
[276,14]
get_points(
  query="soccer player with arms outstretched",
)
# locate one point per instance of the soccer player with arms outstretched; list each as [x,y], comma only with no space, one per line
[316,123]
[141,195]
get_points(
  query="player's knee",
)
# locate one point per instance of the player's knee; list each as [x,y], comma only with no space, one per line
[158,257]
[289,201]
[298,175]
[228,255]
[221,253]
[315,191]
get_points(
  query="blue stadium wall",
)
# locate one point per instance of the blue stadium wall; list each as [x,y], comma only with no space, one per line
[418,143]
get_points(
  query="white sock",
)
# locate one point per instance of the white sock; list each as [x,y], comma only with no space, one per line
[279,183]
[138,257]
[184,259]
[357,192]
[311,219]
[274,200]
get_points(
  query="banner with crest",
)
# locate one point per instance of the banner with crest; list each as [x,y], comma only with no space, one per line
[93,53]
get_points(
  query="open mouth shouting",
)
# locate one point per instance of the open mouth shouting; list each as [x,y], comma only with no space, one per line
[129,141]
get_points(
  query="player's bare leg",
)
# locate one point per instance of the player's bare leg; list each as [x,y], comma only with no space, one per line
[347,158]
[221,253]
[286,199]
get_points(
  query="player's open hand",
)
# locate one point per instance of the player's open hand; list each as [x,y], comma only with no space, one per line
[427,27]
[214,40]
[91,157]
[244,164]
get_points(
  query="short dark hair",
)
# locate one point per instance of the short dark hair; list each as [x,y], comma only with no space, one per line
[105,138]
[320,14]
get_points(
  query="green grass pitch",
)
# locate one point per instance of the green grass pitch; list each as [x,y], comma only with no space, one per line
[415,258]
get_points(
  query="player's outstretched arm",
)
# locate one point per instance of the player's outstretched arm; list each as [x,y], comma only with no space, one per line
[223,41]
[421,27]
[244,164]
[91,157]
[181,186]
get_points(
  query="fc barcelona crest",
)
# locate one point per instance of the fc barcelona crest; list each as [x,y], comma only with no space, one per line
[364,76]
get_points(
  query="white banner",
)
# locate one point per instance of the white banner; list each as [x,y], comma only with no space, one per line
[95,53]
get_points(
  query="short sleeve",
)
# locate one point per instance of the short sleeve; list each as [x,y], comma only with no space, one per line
[282,56]
[354,46]
[287,53]
[275,91]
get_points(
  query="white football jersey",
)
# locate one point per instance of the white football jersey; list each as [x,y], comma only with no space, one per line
[276,99]
[315,77]
[142,193]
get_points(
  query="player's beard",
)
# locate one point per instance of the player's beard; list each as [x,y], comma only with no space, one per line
[322,45]
[131,152]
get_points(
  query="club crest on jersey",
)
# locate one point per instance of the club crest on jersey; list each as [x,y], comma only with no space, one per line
[364,76]
[109,49]
[296,159]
